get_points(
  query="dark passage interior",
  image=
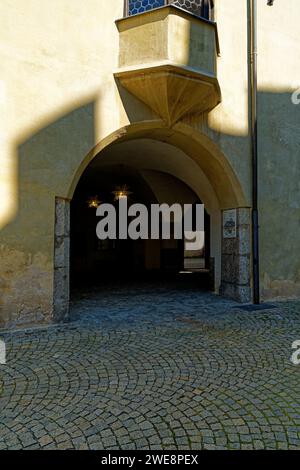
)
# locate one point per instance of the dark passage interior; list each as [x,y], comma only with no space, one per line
[97,262]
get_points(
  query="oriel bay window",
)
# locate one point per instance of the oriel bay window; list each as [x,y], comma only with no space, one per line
[201,8]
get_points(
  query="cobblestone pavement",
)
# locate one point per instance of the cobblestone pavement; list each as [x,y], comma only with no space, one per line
[154,368]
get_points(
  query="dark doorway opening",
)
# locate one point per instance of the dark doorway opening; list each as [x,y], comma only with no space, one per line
[97,262]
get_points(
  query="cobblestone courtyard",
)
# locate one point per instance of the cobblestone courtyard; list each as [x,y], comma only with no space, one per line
[154,368]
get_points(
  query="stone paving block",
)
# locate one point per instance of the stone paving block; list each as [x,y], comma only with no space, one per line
[186,371]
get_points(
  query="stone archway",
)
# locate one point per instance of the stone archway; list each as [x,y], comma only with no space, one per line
[207,171]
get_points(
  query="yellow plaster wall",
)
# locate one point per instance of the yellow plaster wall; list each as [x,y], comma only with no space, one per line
[59,99]
[279,148]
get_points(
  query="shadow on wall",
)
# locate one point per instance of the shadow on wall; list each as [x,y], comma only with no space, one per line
[279,193]
[46,162]
[279,189]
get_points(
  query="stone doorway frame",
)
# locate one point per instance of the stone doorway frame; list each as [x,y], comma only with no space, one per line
[235,277]
[61,281]
[235,259]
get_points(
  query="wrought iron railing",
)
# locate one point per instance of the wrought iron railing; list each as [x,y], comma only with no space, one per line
[201,8]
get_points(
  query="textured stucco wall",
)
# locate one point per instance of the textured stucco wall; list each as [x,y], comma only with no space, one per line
[279,147]
[278,124]
[59,99]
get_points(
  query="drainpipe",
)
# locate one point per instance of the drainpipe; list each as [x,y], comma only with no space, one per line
[254,146]
[254,149]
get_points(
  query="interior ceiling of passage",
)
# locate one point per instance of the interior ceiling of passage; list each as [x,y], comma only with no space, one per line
[149,154]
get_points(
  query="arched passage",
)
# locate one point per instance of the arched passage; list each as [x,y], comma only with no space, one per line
[95,261]
[202,150]
[174,165]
